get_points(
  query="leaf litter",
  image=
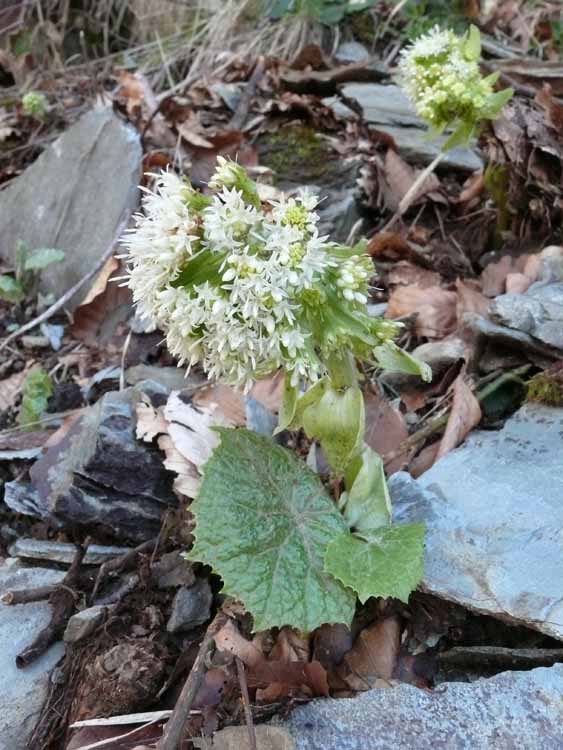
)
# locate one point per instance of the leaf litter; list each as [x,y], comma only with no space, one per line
[465,243]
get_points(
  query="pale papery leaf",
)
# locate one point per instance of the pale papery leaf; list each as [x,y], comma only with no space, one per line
[150,422]
[188,479]
[464,416]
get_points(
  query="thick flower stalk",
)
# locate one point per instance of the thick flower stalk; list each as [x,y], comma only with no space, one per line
[244,289]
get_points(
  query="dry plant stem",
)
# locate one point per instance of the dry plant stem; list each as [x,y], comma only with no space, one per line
[246,703]
[119,564]
[241,113]
[176,724]
[25,596]
[437,424]
[413,192]
[63,603]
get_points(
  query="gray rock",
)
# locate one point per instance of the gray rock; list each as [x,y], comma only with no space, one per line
[63,552]
[99,473]
[23,690]
[508,711]
[538,312]
[352,52]
[492,335]
[74,197]
[388,108]
[173,570]
[171,378]
[440,354]
[494,520]
[258,418]
[84,623]
[191,607]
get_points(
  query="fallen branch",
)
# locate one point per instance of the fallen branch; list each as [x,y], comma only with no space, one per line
[63,602]
[176,724]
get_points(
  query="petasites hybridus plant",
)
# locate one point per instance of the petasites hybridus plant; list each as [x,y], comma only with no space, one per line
[441,76]
[245,289]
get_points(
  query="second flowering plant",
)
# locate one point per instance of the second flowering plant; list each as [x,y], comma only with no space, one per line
[244,289]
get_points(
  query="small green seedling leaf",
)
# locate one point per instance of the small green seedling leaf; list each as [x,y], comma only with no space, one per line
[11,290]
[392,358]
[37,390]
[42,258]
[388,564]
[366,504]
[337,421]
[263,523]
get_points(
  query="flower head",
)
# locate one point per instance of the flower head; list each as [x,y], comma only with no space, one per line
[440,74]
[245,289]
[34,104]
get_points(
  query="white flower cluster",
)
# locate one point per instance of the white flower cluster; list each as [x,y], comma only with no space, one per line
[440,74]
[241,288]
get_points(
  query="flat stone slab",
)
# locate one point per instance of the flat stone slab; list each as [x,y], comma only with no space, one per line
[494,515]
[23,691]
[388,108]
[74,198]
[511,710]
[538,312]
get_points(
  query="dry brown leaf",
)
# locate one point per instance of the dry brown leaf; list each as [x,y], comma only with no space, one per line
[269,392]
[229,639]
[10,388]
[192,131]
[385,429]
[280,679]
[227,400]
[424,461]
[290,646]
[374,655]
[400,177]
[472,189]
[470,299]
[408,274]
[101,281]
[435,309]
[389,246]
[464,416]
[90,317]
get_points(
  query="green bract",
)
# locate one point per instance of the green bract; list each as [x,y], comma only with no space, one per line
[440,73]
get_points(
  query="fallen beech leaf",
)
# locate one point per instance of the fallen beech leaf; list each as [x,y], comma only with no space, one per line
[424,461]
[400,177]
[472,188]
[389,246]
[290,646]
[435,309]
[90,316]
[465,415]
[373,656]
[229,639]
[386,429]
[288,678]
[331,644]
[470,299]
[408,274]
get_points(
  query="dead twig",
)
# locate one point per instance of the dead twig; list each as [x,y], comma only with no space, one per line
[246,703]
[63,602]
[119,564]
[238,119]
[176,724]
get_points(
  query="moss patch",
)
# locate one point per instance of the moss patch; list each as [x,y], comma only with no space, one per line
[296,154]
[547,388]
